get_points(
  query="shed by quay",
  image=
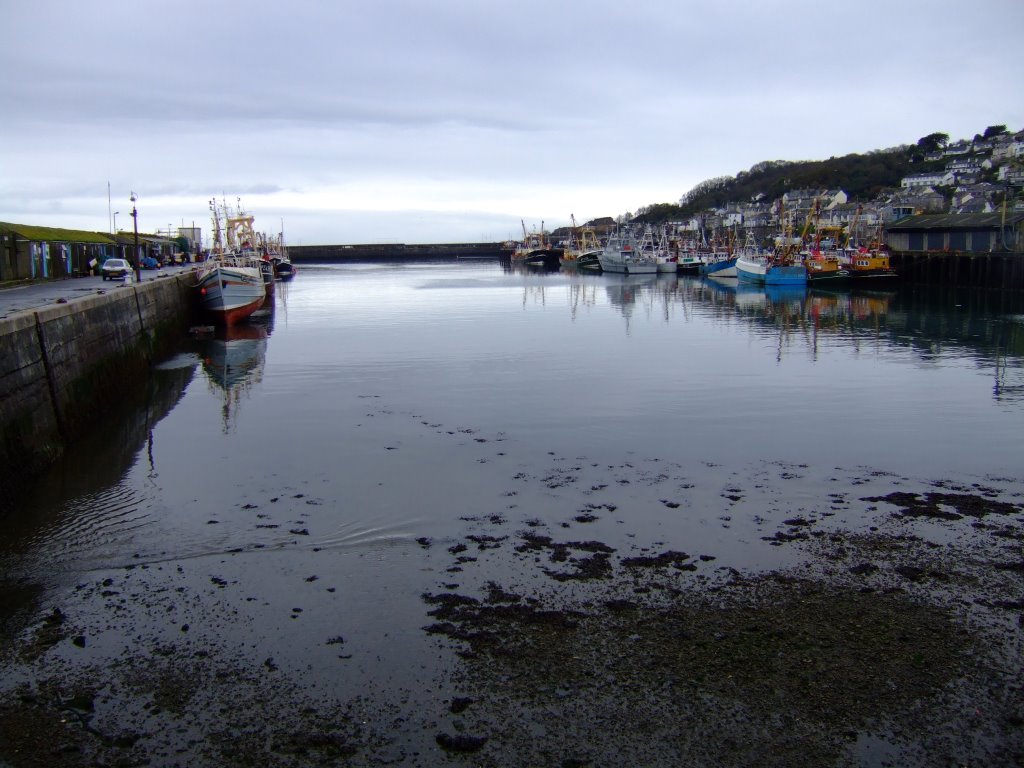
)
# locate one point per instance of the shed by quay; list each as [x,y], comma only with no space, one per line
[30,252]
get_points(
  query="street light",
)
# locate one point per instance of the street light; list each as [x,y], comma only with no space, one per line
[135,226]
[115,221]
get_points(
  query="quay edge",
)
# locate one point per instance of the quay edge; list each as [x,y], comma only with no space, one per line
[995,270]
[62,365]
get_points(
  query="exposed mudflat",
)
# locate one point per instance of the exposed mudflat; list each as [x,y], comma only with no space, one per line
[888,634]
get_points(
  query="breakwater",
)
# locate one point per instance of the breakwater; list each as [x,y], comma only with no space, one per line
[64,366]
[395,251]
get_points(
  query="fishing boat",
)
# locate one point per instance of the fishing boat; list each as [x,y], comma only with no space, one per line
[692,262]
[620,255]
[657,250]
[871,264]
[283,267]
[230,287]
[665,256]
[534,248]
[581,251]
[821,260]
[781,266]
[722,262]
[718,264]
[821,269]
[230,282]
[778,267]
[277,253]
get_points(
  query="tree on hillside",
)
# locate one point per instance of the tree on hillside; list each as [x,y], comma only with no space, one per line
[933,142]
[706,187]
[993,130]
[659,212]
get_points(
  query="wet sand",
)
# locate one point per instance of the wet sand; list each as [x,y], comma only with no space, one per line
[892,636]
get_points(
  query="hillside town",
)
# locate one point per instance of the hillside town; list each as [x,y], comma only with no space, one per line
[984,175]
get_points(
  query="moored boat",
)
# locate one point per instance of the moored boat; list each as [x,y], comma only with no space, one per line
[718,265]
[777,268]
[581,251]
[657,250]
[277,253]
[869,264]
[534,247]
[231,283]
[230,287]
[824,268]
[283,267]
[620,254]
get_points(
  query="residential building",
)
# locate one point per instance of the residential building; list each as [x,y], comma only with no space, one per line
[933,179]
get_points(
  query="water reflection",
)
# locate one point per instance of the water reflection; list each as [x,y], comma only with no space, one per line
[233,361]
[928,323]
[84,501]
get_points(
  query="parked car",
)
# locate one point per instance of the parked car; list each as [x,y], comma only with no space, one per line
[115,269]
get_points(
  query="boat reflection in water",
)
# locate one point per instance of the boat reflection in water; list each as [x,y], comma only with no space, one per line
[233,359]
[796,302]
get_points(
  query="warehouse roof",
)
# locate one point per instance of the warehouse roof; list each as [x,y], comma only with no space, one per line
[55,234]
[945,221]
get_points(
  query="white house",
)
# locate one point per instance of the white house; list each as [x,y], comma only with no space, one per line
[934,179]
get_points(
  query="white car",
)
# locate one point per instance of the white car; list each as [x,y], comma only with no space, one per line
[115,269]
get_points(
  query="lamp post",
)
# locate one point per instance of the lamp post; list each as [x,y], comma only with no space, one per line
[135,226]
[115,221]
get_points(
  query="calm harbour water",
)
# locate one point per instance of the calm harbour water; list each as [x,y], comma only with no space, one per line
[305,477]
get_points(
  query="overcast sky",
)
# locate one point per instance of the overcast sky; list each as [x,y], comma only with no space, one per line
[453,120]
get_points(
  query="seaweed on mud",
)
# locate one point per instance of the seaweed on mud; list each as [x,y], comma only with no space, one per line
[931,505]
[678,560]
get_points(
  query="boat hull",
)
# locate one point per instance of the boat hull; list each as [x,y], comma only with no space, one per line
[283,270]
[629,266]
[762,272]
[721,268]
[829,276]
[229,294]
[871,275]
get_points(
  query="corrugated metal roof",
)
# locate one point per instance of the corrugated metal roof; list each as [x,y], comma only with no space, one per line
[956,221]
[56,235]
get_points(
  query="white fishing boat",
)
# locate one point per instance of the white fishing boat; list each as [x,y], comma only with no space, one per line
[665,257]
[230,283]
[620,254]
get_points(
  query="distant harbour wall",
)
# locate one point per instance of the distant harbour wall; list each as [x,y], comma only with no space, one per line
[64,366]
[395,251]
[997,270]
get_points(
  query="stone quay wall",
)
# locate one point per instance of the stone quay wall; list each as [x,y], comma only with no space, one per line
[62,367]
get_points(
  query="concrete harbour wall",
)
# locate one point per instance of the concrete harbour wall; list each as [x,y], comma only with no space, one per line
[64,366]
